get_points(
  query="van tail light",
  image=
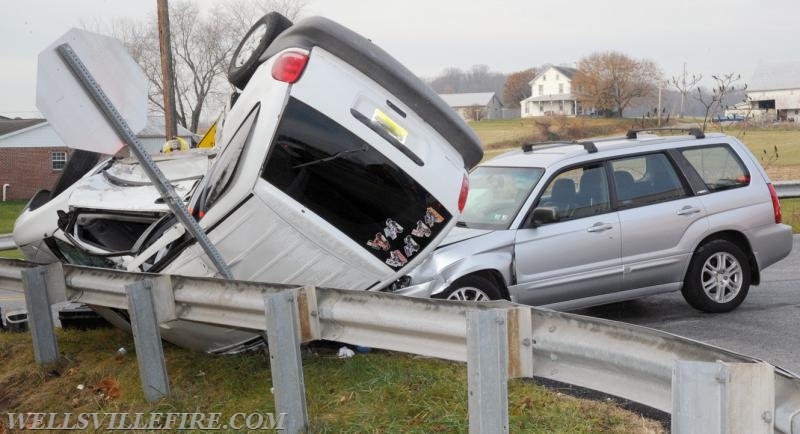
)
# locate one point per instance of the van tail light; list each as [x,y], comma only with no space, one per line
[462,198]
[289,66]
[776,203]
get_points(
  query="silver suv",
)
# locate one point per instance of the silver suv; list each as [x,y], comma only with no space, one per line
[576,224]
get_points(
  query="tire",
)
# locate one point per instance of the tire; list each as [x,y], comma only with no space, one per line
[471,288]
[245,59]
[718,278]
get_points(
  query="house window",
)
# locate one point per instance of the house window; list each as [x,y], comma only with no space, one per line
[541,89]
[541,107]
[558,77]
[544,77]
[59,160]
[561,106]
[560,87]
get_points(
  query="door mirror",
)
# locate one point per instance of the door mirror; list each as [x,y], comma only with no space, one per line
[543,215]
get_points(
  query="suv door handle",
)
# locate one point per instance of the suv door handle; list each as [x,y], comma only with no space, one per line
[599,227]
[688,210]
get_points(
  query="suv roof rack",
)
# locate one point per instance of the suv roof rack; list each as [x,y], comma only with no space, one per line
[694,131]
[528,147]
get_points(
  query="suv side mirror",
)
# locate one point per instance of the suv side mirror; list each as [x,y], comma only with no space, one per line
[542,215]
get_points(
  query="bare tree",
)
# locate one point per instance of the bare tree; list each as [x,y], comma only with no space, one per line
[610,81]
[518,87]
[717,99]
[202,45]
[684,87]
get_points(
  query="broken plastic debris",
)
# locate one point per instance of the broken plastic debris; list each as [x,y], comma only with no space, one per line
[360,349]
[81,387]
[345,353]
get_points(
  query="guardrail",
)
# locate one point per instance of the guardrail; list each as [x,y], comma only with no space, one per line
[787,189]
[657,369]
[7,242]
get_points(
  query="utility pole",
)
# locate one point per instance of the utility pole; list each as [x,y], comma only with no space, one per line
[660,85]
[168,77]
[683,89]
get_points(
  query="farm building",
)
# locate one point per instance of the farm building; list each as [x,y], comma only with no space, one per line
[32,155]
[774,91]
[475,106]
[551,94]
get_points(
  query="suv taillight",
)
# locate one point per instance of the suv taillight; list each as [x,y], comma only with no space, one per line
[289,66]
[462,197]
[776,203]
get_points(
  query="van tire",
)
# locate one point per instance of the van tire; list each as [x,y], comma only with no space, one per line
[720,265]
[471,288]
[241,70]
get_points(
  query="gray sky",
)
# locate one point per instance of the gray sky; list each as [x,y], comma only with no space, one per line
[711,36]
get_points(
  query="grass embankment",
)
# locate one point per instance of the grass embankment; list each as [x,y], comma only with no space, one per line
[8,214]
[373,392]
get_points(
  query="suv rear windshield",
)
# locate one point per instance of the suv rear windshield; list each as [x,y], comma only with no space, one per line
[344,180]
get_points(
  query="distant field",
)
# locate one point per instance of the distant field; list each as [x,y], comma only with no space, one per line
[503,135]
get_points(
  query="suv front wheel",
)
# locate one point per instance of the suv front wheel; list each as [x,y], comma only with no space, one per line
[718,278]
[471,288]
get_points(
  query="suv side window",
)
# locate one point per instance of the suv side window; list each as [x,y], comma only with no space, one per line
[577,193]
[718,166]
[645,179]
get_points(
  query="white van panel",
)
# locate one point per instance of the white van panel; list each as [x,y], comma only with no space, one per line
[334,87]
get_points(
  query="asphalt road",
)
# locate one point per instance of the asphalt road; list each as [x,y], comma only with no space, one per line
[765,326]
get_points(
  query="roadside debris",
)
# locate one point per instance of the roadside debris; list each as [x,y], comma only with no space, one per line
[345,352]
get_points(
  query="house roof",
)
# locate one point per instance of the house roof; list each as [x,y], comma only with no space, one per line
[776,76]
[567,71]
[8,126]
[467,99]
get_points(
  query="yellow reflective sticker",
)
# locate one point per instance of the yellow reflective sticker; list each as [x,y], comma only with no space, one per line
[389,125]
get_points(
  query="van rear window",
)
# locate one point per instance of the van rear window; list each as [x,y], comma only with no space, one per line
[347,182]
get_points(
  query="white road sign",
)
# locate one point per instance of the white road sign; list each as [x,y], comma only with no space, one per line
[73,115]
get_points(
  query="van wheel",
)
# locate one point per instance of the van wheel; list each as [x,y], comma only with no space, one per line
[245,59]
[718,278]
[471,288]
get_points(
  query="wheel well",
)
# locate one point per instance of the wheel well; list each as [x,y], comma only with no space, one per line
[740,240]
[495,277]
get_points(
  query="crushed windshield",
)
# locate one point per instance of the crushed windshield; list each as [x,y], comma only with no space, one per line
[496,194]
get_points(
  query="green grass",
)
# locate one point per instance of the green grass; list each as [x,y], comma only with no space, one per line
[374,392]
[8,214]
[790,209]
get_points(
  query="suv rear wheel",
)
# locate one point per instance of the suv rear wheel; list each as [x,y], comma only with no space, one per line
[471,288]
[245,59]
[718,278]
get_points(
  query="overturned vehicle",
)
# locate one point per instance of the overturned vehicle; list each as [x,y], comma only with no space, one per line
[334,166]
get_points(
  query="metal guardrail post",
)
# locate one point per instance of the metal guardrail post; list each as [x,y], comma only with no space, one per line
[283,338]
[40,318]
[487,370]
[723,398]
[147,339]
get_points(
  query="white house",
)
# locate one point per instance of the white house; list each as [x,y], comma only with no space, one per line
[475,106]
[551,94]
[774,91]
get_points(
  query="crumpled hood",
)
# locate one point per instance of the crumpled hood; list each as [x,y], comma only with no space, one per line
[460,234]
